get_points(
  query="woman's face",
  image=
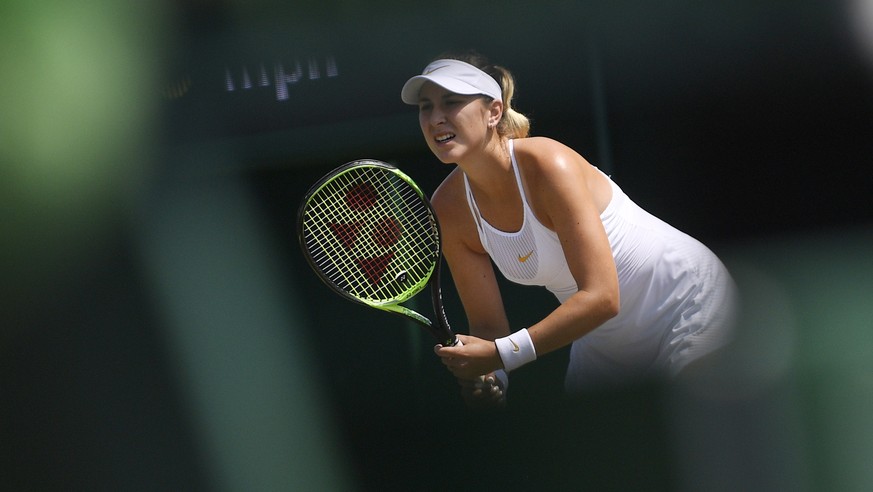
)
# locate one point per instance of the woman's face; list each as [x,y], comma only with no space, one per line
[453,124]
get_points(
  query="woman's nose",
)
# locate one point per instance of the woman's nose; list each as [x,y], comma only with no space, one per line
[437,117]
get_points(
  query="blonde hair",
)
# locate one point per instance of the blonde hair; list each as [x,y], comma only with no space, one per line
[512,124]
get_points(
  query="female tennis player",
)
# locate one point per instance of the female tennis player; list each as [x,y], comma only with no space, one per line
[638,298]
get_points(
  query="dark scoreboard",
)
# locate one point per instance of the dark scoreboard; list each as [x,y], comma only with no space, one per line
[239,79]
[259,94]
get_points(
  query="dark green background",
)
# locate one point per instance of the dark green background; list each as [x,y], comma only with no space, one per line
[186,345]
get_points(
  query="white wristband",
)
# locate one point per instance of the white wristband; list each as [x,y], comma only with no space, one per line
[516,350]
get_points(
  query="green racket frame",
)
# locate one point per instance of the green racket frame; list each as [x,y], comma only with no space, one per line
[371,235]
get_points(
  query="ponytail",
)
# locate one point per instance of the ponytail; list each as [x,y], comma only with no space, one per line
[512,124]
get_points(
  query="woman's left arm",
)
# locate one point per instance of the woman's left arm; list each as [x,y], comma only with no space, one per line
[563,199]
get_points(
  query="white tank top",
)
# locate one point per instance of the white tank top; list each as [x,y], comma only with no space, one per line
[661,272]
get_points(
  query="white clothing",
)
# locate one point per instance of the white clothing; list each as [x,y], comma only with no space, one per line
[677,297]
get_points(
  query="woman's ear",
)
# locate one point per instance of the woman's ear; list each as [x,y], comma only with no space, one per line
[496,112]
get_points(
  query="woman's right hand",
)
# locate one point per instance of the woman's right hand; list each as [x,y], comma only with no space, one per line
[484,393]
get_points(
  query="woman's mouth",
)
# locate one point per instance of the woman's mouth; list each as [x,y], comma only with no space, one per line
[444,137]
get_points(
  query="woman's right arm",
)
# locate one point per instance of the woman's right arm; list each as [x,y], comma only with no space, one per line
[475,282]
[469,264]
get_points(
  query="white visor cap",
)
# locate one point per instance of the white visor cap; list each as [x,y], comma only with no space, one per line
[455,76]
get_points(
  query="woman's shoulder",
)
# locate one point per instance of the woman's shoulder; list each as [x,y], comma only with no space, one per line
[537,144]
[449,191]
[456,223]
[548,165]
[544,153]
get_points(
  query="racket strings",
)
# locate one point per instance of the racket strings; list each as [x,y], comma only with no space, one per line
[372,234]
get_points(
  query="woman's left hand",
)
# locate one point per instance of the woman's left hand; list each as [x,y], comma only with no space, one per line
[471,358]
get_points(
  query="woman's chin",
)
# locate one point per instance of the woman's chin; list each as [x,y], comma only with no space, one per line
[446,156]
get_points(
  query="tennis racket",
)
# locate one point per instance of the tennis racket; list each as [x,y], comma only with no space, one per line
[369,232]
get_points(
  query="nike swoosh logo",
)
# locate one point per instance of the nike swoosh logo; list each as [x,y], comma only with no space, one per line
[525,257]
[515,347]
[434,69]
